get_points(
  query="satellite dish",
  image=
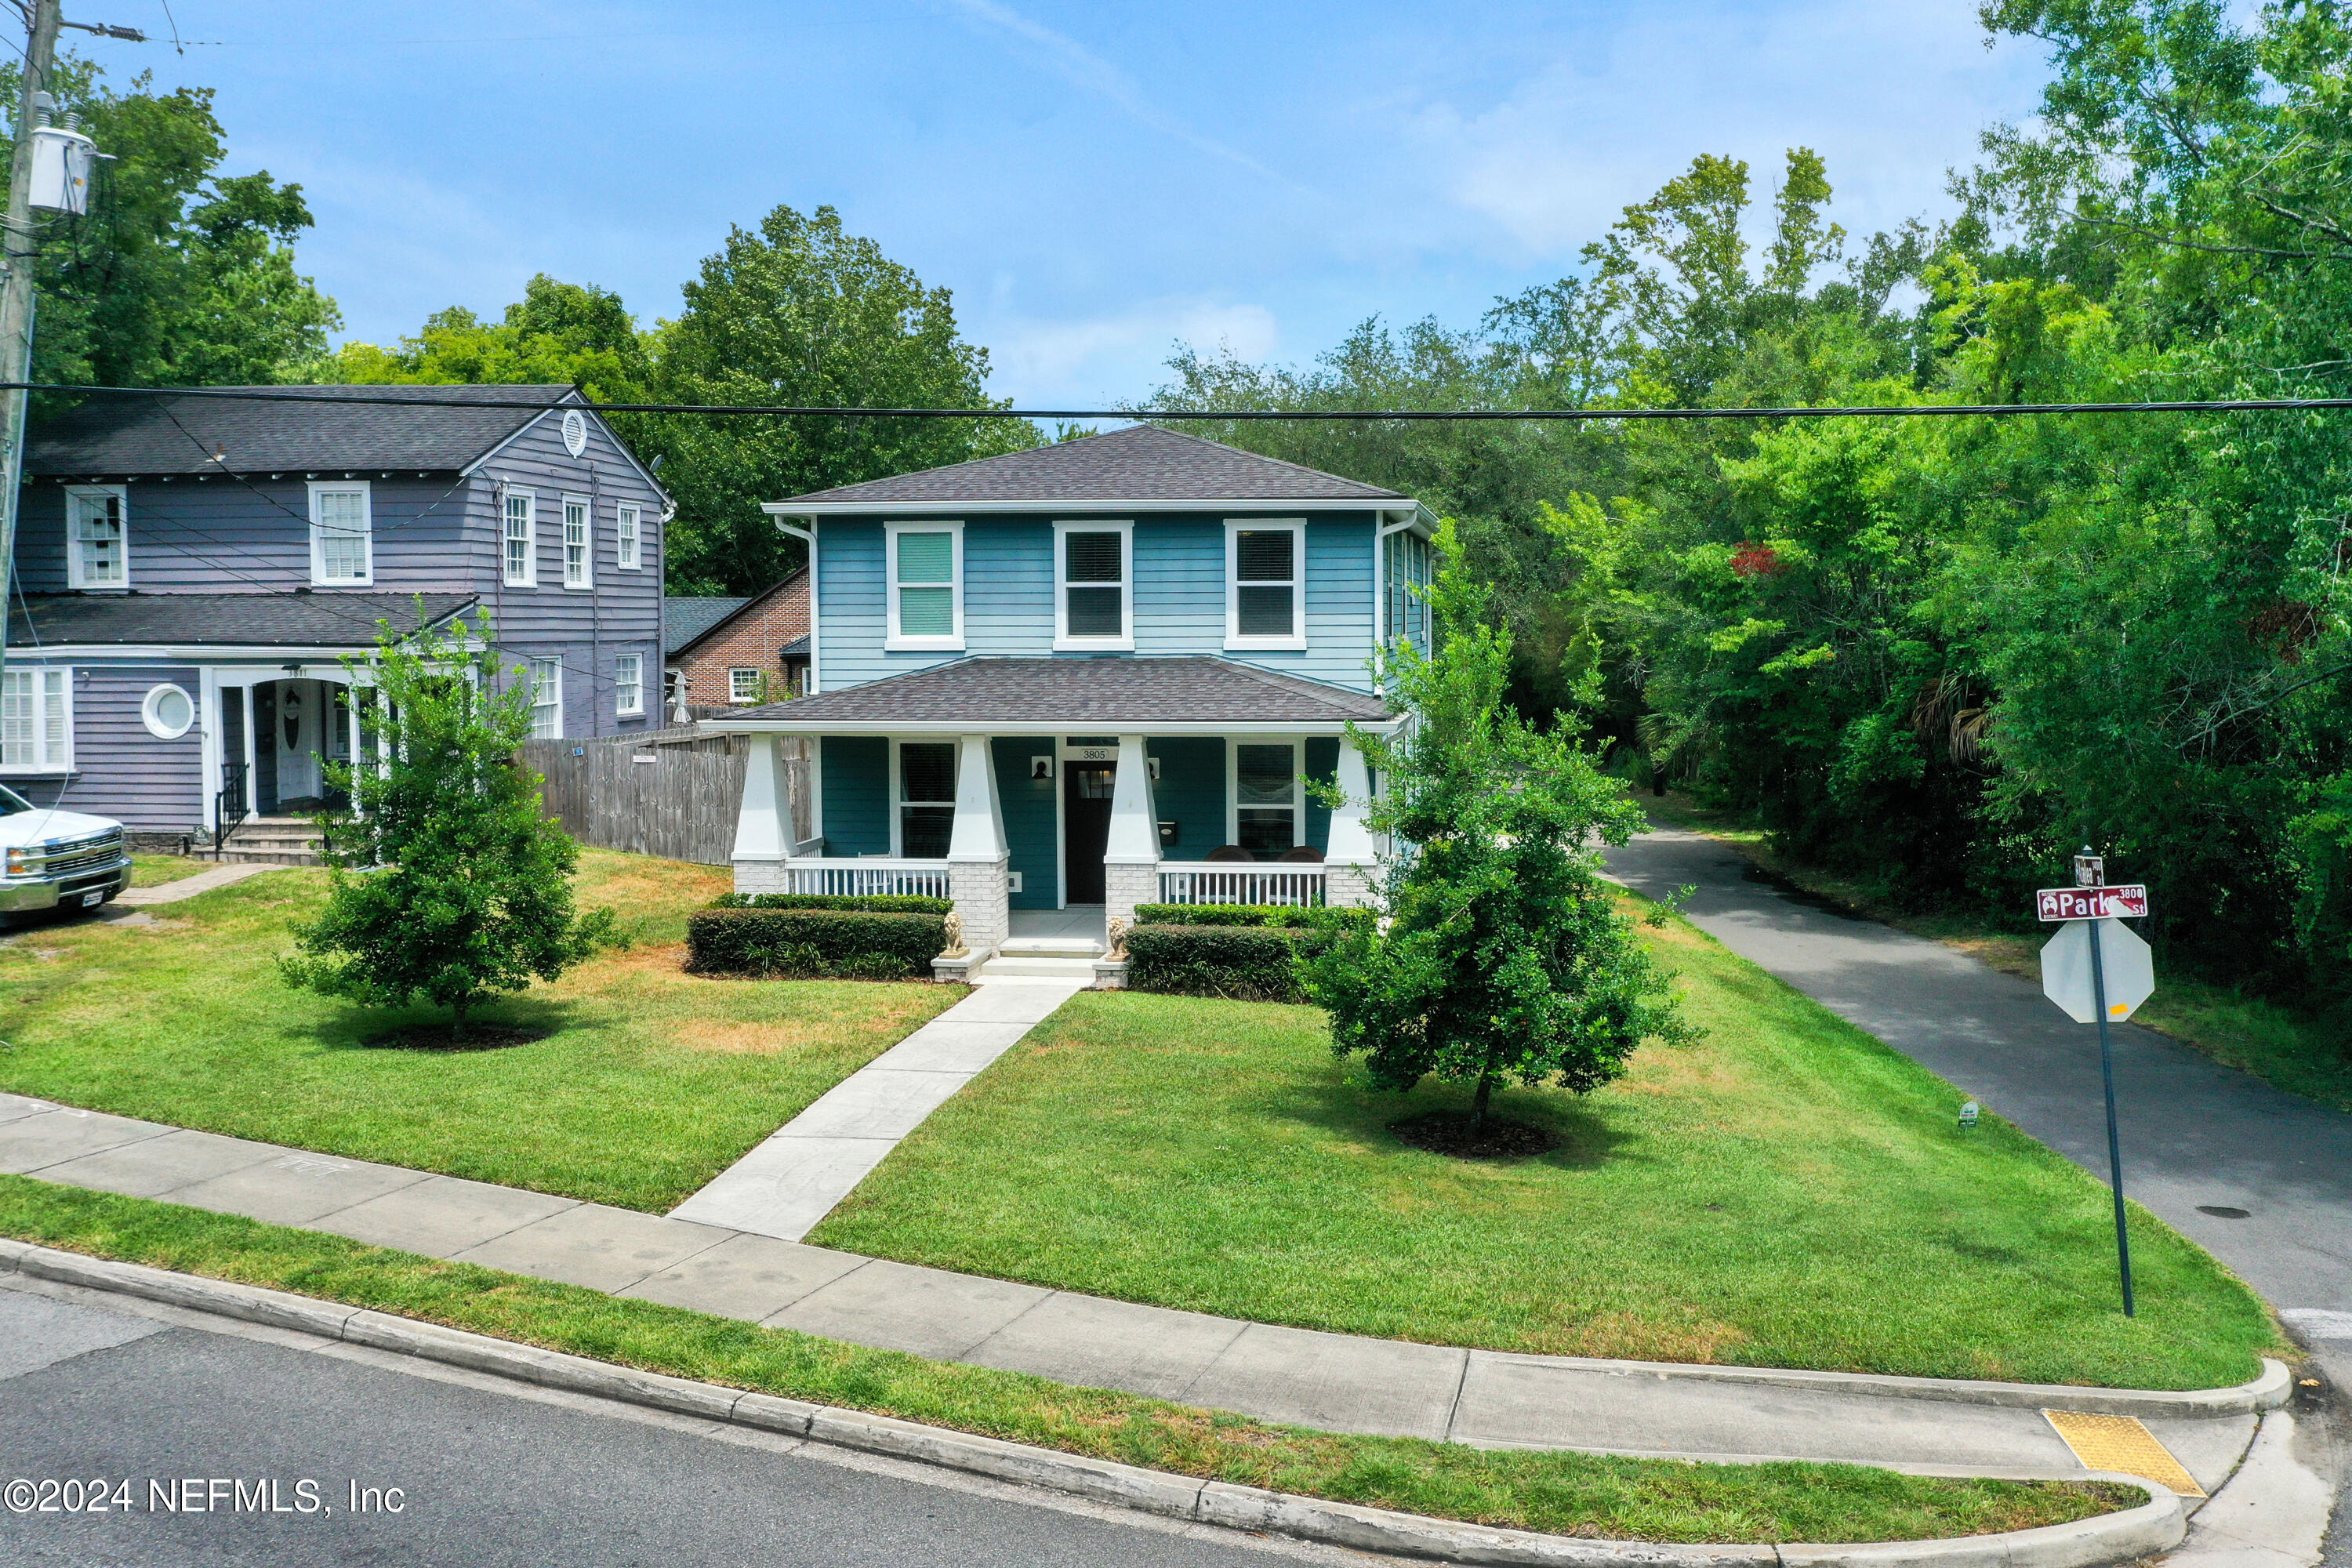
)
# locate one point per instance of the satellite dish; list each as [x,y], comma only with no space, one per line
[575,432]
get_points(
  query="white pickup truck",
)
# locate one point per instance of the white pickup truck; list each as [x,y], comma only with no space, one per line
[58,859]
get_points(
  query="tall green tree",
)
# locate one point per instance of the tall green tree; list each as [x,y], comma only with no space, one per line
[556,333]
[179,274]
[801,312]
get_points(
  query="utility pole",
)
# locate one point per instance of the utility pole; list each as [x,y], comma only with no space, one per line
[21,248]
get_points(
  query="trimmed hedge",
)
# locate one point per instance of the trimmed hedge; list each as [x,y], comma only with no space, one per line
[1247,963]
[1319,916]
[819,944]
[872,903]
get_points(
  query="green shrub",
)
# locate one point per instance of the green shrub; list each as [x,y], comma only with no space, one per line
[1319,917]
[1247,963]
[871,903]
[797,944]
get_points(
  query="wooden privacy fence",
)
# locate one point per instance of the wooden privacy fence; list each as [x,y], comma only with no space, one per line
[672,793]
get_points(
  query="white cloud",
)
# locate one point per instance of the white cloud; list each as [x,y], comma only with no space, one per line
[1044,361]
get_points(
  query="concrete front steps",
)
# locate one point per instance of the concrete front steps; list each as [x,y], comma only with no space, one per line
[1070,959]
[272,841]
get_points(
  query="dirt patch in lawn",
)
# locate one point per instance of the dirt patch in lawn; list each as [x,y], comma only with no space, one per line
[442,1037]
[1450,1132]
[753,1039]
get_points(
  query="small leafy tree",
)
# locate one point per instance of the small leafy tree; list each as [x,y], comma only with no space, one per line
[447,882]
[1501,957]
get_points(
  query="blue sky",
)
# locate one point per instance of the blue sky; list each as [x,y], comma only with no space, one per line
[1093,181]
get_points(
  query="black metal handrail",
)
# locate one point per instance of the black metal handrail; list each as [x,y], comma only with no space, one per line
[228,804]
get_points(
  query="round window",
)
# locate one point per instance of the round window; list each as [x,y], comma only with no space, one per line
[169,713]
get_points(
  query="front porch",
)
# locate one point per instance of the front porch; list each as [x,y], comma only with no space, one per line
[1035,824]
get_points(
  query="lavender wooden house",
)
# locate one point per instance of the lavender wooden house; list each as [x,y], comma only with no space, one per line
[192,572]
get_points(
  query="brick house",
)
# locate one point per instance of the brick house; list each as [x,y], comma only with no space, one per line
[718,649]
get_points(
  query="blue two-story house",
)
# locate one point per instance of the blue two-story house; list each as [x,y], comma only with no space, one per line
[1097,673]
[192,572]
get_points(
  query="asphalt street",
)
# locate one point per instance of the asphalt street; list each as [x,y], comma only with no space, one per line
[2261,1178]
[485,1476]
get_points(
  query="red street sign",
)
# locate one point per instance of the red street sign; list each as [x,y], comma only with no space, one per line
[2126,901]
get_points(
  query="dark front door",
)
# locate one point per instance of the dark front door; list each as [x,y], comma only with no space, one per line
[1086,828]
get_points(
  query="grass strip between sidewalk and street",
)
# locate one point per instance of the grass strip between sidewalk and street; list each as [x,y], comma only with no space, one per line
[1565,1493]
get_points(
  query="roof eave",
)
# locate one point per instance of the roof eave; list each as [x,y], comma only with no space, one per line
[1092,724]
[1091,505]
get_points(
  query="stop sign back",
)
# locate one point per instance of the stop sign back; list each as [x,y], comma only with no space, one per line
[2067,970]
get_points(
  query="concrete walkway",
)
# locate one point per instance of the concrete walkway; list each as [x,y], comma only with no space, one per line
[188,886]
[1336,1381]
[784,1187]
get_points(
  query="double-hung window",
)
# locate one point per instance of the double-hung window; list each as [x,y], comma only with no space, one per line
[37,720]
[1094,571]
[1266,795]
[629,547]
[926,568]
[579,557]
[927,771]
[98,548]
[547,699]
[1264,581]
[519,539]
[743,684]
[629,685]
[341,533]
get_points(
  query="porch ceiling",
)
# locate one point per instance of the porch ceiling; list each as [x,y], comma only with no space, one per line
[1193,694]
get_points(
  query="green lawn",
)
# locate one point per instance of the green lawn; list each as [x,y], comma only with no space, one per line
[1570,1493]
[2299,1049]
[1788,1192]
[651,1082]
[152,870]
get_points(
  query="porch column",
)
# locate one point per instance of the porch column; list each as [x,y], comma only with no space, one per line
[763,825]
[1131,855]
[978,857]
[1350,859]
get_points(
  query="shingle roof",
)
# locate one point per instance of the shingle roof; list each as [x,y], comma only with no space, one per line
[313,620]
[1078,693]
[124,435]
[1142,462]
[683,621]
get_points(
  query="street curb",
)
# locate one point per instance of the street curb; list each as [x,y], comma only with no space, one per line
[2147,1531]
[2267,1391]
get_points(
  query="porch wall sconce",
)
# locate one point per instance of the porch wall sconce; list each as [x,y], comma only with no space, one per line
[1041,767]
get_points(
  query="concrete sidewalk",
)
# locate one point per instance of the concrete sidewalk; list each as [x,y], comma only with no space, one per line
[1336,1382]
[187,887]
[786,1184]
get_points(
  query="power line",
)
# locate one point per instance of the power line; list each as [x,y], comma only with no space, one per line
[795,410]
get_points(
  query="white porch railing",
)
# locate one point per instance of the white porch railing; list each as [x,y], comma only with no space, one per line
[1298,886]
[868,876]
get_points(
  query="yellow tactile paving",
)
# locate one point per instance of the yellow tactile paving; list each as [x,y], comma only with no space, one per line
[2120,1443]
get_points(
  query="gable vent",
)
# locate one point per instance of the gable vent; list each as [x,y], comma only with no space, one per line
[575,432]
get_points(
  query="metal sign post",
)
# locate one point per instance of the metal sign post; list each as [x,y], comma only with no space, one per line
[2090,911]
[2114,1144]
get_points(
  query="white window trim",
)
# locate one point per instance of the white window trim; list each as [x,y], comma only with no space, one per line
[155,726]
[319,577]
[898,801]
[629,537]
[620,687]
[74,576]
[530,673]
[530,498]
[894,641]
[1234,528]
[1063,641]
[1297,744]
[587,578]
[54,767]
[754,671]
